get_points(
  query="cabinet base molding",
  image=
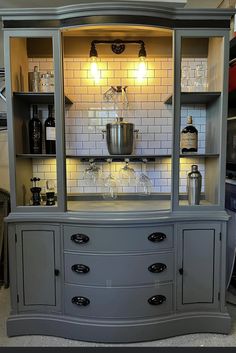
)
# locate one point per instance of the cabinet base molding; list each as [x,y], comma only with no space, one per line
[119,331]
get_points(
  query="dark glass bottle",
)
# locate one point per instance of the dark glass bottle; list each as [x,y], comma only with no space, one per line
[189,137]
[35,132]
[50,132]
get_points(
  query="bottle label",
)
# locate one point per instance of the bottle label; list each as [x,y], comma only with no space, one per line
[188,140]
[50,133]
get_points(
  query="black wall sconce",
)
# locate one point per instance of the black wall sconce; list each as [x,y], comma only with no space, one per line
[117,47]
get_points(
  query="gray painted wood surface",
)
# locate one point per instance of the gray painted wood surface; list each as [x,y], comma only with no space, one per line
[118,270]
[193,241]
[198,266]
[201,258]
[110,302]
[37,259]
[119,239]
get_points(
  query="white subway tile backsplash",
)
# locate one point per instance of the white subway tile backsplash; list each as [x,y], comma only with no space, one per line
[90,113]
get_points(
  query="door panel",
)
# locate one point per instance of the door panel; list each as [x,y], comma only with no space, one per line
[199,262]
[198,266]
[38,256]
[38,249]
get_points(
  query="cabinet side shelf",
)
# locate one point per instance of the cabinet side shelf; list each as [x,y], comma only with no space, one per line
[39,97]
[195,97]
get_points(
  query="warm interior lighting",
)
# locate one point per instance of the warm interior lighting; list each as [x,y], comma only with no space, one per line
[118,46]
[142,70]
[95,73]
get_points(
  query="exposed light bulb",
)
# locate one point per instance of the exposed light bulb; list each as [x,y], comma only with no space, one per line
[94,69]
[142,70]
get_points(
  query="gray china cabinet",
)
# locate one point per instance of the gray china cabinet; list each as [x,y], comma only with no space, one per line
[138,267]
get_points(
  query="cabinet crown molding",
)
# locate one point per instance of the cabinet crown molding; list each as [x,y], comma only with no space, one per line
[106,8]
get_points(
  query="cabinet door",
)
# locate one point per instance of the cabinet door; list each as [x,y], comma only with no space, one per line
[38,263]
[199,260]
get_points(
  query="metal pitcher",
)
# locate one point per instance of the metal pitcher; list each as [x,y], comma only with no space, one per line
[194,184]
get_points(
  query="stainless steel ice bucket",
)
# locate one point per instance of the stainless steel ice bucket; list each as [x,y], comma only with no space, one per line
[120,137]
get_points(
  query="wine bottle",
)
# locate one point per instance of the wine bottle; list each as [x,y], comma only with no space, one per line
[189,137]
[50,132]
[35,132]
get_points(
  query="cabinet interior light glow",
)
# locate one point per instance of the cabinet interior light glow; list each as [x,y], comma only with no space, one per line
[142,69]
[95,73]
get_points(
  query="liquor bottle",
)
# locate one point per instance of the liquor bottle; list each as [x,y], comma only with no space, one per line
[35,132]
[189,137]
[50,132]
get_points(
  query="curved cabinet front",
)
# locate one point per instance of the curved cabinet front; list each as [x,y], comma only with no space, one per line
[118,239]
[116,270]
[119,302]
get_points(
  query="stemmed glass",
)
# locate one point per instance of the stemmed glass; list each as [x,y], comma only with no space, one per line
[143,183]
[92,173]
[199,75]
[127,172]
[110,184]
[185,75]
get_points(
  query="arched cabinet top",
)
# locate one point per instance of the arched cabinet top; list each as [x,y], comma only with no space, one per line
[118,12]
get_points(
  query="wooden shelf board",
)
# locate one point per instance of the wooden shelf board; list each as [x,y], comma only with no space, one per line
[39,97]
[195,97]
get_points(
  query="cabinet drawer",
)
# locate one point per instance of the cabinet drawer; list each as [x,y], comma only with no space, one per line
[120,302]
[113,270]
[116,239]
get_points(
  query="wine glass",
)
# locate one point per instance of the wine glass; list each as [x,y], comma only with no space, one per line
[185,74]
[127,172]
[110,185]
[199,73]
[92,173]
[143,182]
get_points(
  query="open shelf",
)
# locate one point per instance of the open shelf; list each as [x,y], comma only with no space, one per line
[117,158]
[195,97]
[35,156]
[39,97]
[199,155]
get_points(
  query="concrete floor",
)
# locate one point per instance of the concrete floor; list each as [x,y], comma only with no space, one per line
[193,340]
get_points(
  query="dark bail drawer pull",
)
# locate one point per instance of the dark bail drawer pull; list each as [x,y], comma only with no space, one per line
[157,268]
[157,237]
[157,299]
[79,268]
[80,301]
[79,238]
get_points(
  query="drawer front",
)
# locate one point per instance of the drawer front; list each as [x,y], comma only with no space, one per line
[114,270]
[116,239]
[133,302]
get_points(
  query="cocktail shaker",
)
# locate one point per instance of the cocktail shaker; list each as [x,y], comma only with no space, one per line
[194,184]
